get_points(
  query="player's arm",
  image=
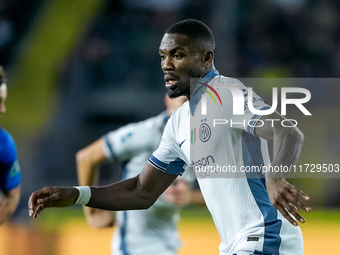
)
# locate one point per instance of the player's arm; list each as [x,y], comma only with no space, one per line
[9,203]
[287,145]
[88,162]
[139,192]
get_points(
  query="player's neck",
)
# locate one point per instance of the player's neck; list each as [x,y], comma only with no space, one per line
[204,73]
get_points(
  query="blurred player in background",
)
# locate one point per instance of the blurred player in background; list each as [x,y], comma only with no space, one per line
[152,231]
[10,175]
[253,215]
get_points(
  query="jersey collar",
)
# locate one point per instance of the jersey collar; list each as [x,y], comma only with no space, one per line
[211,74]
[196,95]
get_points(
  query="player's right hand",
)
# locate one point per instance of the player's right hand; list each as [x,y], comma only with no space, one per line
[287,199]
[51,197]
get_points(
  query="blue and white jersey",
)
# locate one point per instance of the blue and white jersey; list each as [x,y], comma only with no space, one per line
[238,201]
[152,231]
[10,175]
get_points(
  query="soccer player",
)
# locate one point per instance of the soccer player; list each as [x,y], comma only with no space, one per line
[152,231]
[252,215]
[10,175]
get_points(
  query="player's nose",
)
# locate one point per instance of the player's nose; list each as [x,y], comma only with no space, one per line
[167,64]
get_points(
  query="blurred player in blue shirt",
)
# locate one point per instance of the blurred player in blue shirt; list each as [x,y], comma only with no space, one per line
[10,175]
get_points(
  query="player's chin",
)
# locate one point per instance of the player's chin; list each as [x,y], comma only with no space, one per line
[174,93]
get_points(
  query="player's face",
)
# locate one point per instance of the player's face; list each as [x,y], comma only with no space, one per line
[179,61]
[3,96]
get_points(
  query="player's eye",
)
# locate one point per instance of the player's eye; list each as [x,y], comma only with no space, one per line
[162,56]
[177,56]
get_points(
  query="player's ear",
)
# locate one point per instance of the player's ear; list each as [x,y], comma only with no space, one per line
[208,57]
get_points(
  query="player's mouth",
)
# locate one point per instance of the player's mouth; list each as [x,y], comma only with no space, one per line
[170,84]
[170,81]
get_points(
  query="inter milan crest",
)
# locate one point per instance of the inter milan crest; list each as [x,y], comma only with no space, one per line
[204,132]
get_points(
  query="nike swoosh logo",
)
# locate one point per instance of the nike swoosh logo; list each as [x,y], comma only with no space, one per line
[180,145]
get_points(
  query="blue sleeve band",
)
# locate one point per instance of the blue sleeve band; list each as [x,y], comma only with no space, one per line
[175,167]
[158,164]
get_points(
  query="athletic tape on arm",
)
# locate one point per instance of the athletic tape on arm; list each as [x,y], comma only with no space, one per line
[84,195]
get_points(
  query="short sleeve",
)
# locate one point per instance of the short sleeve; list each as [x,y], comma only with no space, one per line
[10,175]
[124,142]
[166,157]
[13,176]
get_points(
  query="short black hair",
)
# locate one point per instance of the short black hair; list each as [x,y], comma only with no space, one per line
[2,76]
[194,29]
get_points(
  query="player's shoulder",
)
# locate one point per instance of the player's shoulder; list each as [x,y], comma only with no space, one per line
[178,120]
[225,81]
[179,114]
[180,110]
[7,144]
[5,138]
[140,133]
[155,122]
[227,88]
[145,126]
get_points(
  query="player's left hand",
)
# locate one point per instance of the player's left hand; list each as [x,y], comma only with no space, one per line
[179,193]
[286,198]
[51,197]
[98,219]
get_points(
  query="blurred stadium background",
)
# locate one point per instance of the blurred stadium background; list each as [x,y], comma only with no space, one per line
[80,68]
